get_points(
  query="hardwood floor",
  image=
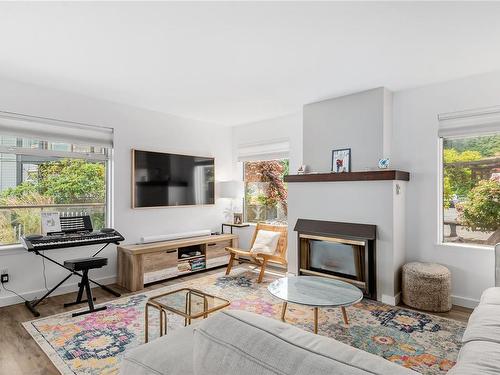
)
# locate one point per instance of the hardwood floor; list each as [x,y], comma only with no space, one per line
[20,355]
[456,313]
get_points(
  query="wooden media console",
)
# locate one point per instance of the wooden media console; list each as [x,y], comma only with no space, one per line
[146,263]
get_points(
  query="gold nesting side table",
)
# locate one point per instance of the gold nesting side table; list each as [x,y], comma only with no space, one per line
[187,302]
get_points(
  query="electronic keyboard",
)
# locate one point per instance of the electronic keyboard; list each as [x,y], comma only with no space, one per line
[36,242]
[71,231]
[75,231]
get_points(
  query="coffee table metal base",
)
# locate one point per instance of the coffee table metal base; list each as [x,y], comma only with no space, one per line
[163,320]
[184,309]
[316,313]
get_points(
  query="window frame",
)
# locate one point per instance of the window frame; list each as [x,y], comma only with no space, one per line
[107,158]
[440,199]
[244,204]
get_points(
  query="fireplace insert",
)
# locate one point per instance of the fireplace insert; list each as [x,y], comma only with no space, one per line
[339,250]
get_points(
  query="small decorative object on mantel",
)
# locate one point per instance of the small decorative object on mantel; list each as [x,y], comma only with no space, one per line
[383,163]
[302,169]
[341,160]
[237,218]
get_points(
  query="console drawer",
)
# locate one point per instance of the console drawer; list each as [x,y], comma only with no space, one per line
[217,249]
[158,261]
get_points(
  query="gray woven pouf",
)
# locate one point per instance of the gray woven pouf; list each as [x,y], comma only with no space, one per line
[427,286]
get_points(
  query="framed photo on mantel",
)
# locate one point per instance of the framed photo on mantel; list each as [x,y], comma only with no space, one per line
[341,160]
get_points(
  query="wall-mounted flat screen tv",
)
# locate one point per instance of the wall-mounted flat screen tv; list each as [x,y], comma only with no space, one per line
[161,179]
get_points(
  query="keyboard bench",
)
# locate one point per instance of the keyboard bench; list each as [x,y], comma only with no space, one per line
[84,265]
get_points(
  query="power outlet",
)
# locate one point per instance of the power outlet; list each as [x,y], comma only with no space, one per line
[4,276]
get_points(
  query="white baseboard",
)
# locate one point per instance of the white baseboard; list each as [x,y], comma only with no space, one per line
[397,298]
[471,303]
[7,298]
[391,300]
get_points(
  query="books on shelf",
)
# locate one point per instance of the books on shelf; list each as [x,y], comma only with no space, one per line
[189,265]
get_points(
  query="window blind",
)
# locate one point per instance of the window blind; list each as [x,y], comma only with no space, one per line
[54,130]
[475,122]
[269,150]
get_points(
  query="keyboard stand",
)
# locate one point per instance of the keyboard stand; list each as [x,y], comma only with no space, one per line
[31,305]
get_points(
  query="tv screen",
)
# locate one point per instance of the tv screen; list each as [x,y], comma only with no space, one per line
[161,179]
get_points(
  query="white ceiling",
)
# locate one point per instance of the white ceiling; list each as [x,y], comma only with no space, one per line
[232,63]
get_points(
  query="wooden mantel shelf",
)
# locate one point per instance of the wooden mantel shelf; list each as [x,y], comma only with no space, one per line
[381,175]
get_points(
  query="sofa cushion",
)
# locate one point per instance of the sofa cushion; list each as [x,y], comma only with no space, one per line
[478,357]
[484,324]
[168,355]
[239,342]
[490,296]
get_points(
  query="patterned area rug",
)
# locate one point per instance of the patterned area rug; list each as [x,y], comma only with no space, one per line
[95,343]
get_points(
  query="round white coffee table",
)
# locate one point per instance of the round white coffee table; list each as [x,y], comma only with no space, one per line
[317,292]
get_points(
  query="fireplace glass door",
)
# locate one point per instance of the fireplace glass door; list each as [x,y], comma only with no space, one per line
[326,256]
[334,257]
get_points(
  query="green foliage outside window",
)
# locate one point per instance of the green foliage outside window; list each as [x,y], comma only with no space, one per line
[471,184]
[458,178]
[65,181]
[487,146]
[481,211]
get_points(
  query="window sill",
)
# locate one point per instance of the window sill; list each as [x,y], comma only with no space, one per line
[11,249]
[466,246]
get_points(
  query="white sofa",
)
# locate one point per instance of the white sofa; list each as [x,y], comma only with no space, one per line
[480,353]
[243,343]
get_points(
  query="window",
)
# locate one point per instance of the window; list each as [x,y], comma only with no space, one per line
[471,189]
[38,176]
[265,191]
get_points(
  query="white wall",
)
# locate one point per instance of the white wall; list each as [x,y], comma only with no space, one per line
[134,128]
[289,126]
[416,150]
[359,121]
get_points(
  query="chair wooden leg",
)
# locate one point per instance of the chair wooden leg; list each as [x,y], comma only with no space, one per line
[230,264]
[262,270]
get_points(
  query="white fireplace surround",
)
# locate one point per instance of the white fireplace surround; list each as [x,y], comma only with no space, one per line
[380,203]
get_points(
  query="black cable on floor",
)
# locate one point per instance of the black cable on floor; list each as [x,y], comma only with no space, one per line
[8,290]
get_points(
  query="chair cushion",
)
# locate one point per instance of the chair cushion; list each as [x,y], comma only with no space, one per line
[265,242]
[243,343]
